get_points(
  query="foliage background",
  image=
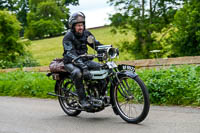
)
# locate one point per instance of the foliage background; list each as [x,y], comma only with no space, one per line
[185,39]
[171,26]
[13,51]
[172,86]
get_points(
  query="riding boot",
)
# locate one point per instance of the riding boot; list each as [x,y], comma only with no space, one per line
[81,93]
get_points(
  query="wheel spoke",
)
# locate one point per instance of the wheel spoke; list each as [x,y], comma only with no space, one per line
[124,103]
[129,111]
[134,108]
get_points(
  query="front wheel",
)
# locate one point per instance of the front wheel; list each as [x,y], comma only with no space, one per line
[131,99]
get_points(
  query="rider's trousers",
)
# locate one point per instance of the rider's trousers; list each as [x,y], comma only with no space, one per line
[76,73]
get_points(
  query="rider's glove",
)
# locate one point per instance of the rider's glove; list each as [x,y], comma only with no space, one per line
[87,58]
[86,74]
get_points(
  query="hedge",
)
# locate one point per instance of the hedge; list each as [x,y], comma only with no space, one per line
[171,86]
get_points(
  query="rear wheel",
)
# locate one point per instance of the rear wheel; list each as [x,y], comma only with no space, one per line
[68,100]
[131,99]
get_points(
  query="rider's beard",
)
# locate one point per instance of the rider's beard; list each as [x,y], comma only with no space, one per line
[79,34]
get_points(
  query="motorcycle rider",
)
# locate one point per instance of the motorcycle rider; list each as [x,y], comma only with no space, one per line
[75,44]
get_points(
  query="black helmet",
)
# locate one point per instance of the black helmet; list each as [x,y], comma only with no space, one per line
[75,18]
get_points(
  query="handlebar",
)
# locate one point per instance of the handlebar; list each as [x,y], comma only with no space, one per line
[85,55]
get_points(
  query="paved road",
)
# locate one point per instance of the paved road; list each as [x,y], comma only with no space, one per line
[25,115]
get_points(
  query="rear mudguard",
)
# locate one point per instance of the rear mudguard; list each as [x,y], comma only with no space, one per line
[121,74]
[54,75]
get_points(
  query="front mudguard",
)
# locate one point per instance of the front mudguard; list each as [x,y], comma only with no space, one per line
[119,75]
[130,74]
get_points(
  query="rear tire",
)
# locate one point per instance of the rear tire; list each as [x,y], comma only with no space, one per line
[135,95]
[63,88]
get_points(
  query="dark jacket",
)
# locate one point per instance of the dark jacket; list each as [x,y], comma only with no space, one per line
[75,45]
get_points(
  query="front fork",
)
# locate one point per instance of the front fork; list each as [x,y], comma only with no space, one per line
[113,82]
[123,91]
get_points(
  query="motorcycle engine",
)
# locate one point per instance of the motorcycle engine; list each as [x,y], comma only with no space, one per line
[97,88]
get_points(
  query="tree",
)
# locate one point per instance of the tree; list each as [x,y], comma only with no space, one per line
[22,12]
[9,5]
[10,44]
[45,19]
[185,39]
[22,7]
[72,2]
[143,17]
[19,7]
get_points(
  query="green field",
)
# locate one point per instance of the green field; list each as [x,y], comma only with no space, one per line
[44,51]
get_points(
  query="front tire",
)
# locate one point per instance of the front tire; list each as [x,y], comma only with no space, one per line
[63,90]
[131,93]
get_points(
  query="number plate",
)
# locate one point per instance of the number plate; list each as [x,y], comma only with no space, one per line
[111,65]
[126,67]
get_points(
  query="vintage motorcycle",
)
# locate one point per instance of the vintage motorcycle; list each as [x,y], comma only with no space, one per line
[113,85]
